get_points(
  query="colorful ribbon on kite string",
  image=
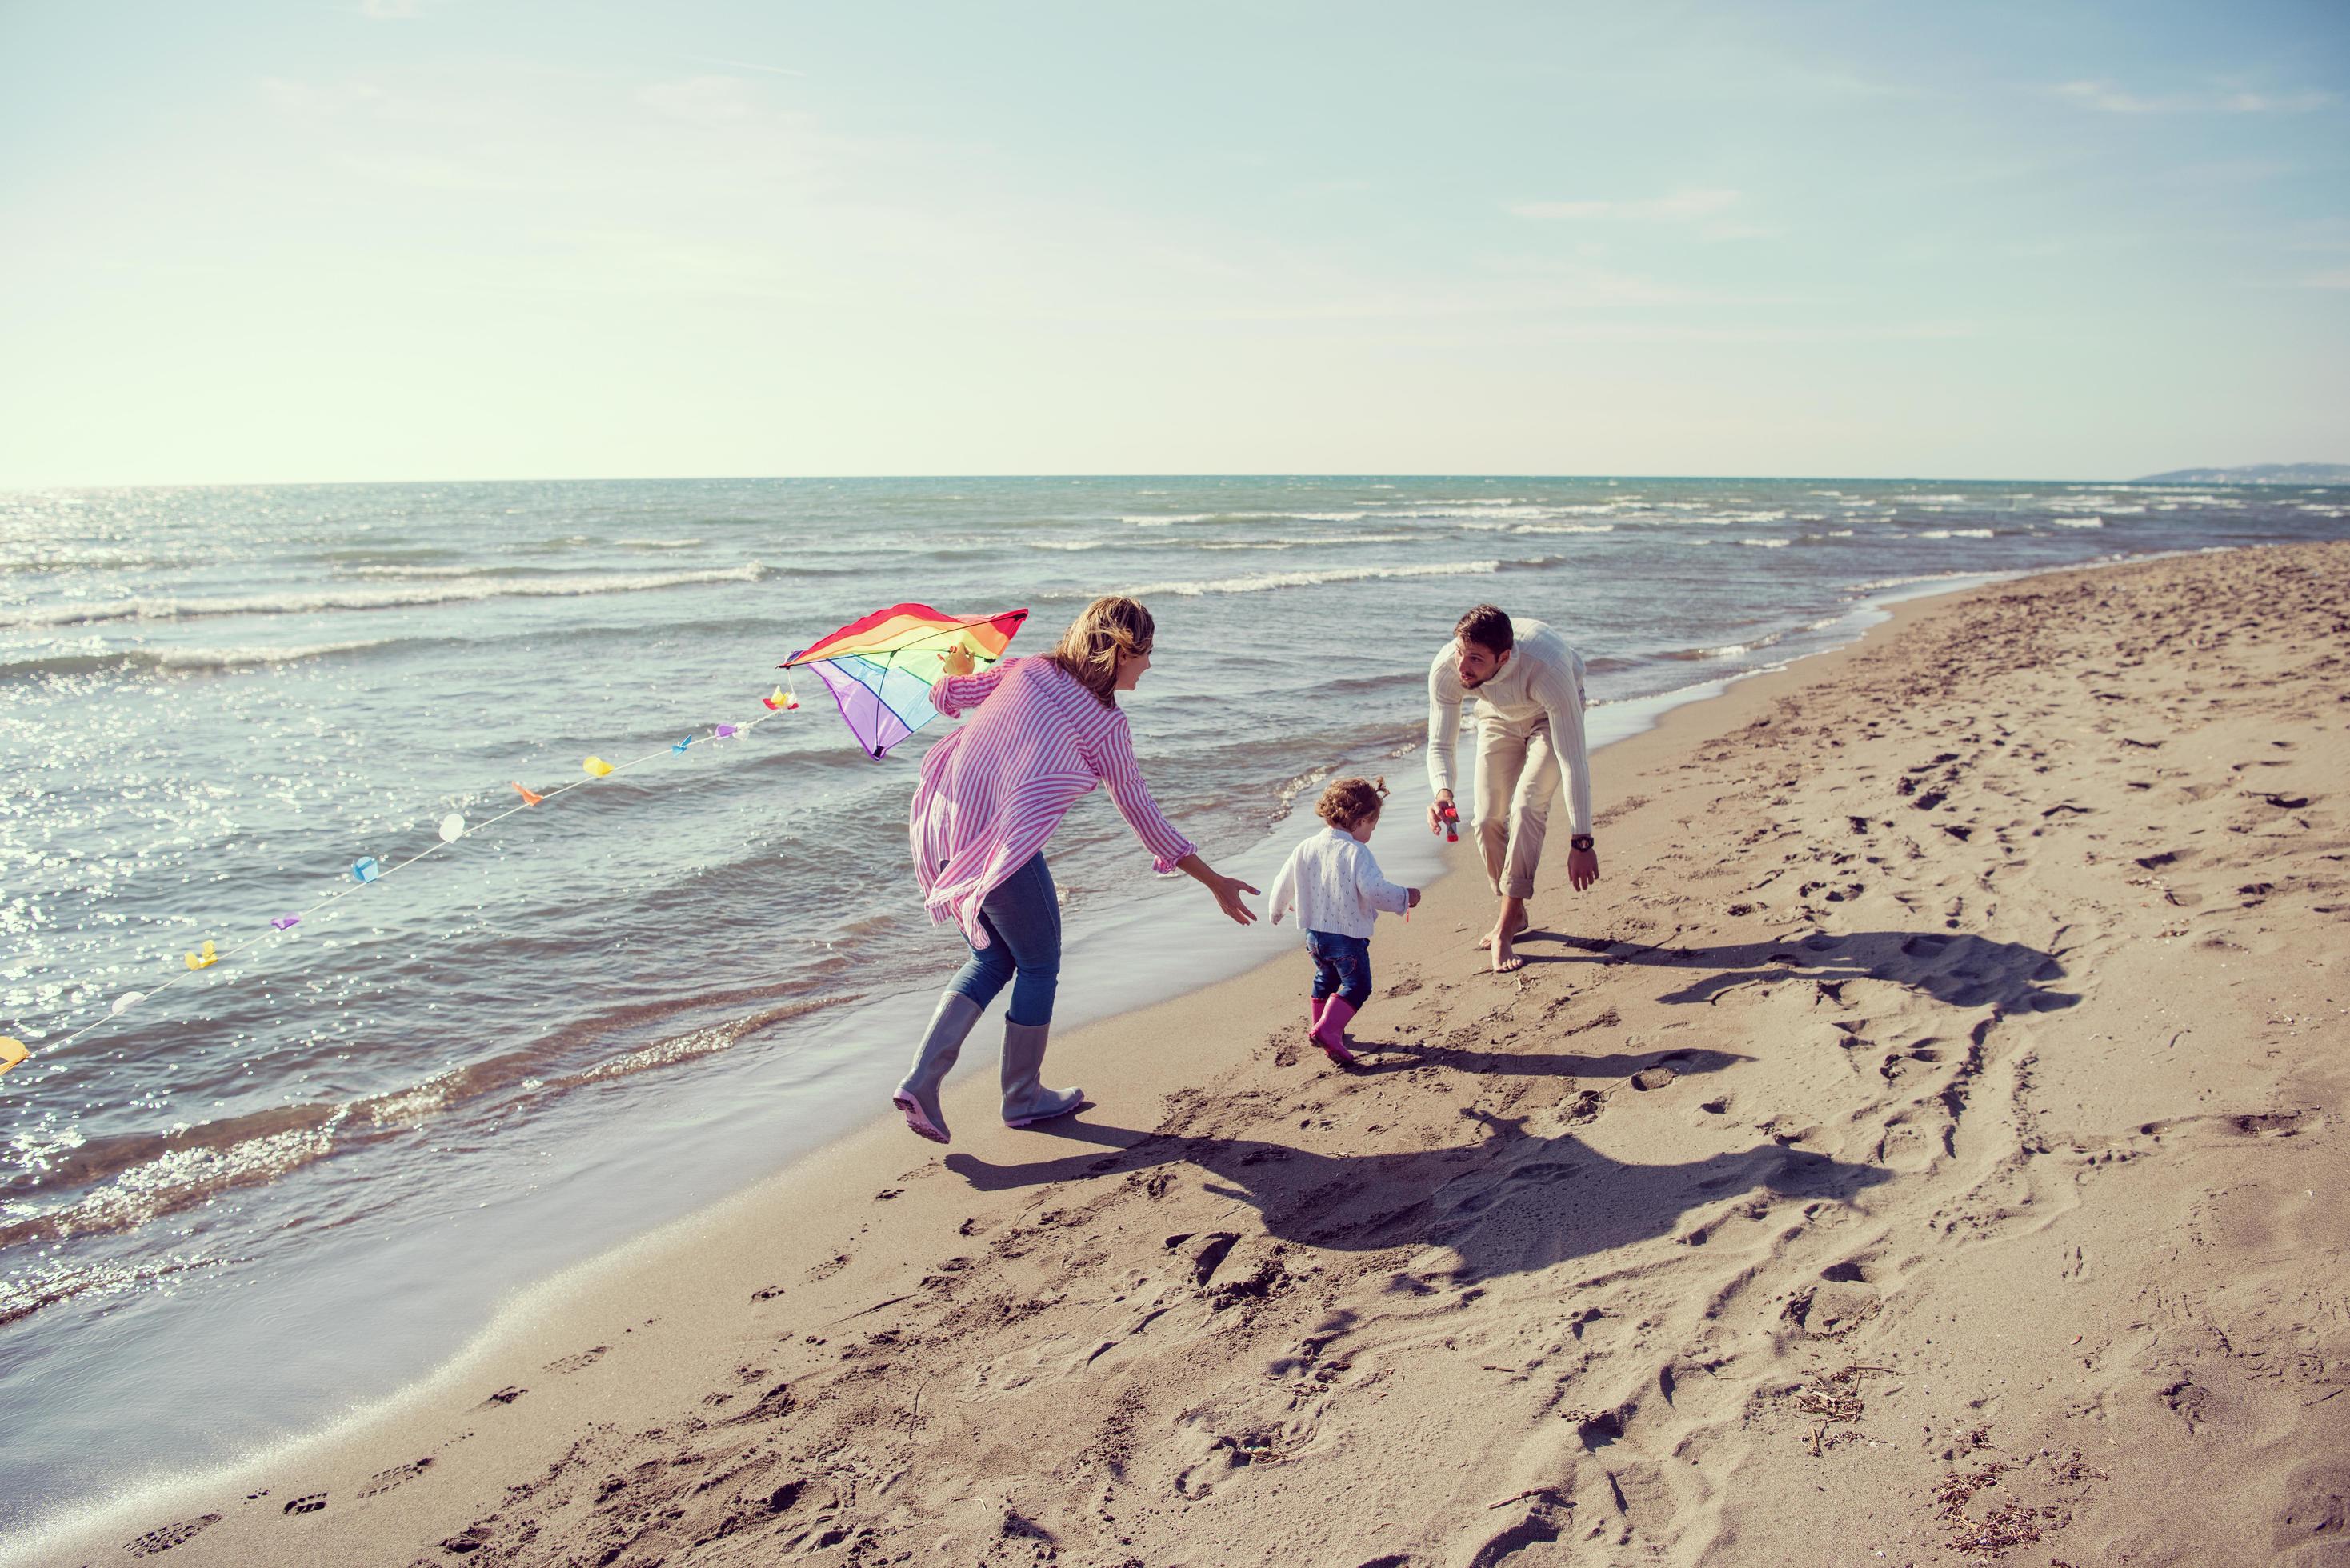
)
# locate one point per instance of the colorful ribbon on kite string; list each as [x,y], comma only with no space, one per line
[367,870]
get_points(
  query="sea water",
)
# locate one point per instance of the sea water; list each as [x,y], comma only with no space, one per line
[302,1177]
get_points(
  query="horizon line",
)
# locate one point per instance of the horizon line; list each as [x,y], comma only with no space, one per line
[1081,475]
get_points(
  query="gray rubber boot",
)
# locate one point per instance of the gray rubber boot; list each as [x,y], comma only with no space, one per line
[918,1094]
[1027,1101]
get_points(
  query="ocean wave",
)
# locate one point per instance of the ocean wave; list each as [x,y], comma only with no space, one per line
[1318,542]
[656,544]
[1956,534]
[47,1282]
[197,661]
[136,1177]
[1883,583]
[442,591]
[176,1177]
[1429,509]
[1163,521]
[1768,544]
[1726,650]
[1509,527]
[1262,581]
[429,574]
[2078,522]
[1066,544]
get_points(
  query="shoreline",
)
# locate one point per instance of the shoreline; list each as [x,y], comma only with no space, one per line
[830,1081]
[877,1133]
[732,1247]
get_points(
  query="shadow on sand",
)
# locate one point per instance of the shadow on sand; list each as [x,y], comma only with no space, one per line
[1961,971]
[1506,1200]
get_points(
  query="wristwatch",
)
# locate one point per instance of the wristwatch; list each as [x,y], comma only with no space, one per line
[1580,841]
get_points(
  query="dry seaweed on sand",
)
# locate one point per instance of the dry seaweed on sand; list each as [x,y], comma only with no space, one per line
[2009,1525]
[1834,1397]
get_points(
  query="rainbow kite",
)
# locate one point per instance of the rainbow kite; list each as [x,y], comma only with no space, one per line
[880,668]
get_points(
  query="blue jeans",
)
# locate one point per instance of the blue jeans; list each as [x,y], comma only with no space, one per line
[1341,965]
[1023,921]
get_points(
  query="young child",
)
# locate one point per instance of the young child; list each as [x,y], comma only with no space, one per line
[1333,884]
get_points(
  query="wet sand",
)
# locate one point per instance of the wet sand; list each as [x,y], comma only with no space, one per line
[1925,1145]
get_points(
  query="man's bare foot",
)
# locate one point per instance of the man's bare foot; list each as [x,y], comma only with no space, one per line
[1518,928]
[1505,957]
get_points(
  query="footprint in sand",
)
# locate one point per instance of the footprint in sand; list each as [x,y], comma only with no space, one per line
[170,1535]
[580,1362]
[399,1475]
[310,1504]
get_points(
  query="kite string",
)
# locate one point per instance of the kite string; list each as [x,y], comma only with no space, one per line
[245,943]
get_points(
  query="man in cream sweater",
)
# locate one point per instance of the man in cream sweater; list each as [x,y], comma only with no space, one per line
[1529,686]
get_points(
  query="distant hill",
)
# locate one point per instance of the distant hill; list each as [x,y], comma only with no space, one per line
[2256,473]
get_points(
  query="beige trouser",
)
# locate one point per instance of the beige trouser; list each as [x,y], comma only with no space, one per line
[1517,778]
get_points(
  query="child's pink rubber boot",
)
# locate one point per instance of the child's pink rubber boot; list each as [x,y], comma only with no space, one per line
[1330,1031]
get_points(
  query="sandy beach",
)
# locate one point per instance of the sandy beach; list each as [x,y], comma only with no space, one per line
[1926,1145]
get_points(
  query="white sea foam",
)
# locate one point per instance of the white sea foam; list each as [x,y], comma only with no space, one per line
[1956,534]
[2078,522]
[1883,583]
[1437,509]
[1066,543]
[400,573]
[1515,527]
[1318,542]
[1145,522]
[1261,581]
[1768,544]
[440,591]
[191,659]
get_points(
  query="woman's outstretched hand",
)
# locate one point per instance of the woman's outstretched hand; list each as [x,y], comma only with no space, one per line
[957,661]
[1227,890]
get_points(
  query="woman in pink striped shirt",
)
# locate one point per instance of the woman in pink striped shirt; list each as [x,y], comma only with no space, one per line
[1046,730]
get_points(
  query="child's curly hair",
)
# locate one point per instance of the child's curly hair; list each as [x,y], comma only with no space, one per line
[1348,802]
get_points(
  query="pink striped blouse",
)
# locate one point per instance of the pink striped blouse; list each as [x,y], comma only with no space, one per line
[992,792]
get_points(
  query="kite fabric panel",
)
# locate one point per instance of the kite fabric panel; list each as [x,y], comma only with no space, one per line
[880,668]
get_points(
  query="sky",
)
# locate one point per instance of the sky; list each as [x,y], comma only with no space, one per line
[371,240]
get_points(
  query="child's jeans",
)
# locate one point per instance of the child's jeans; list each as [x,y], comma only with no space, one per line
[1342,965]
